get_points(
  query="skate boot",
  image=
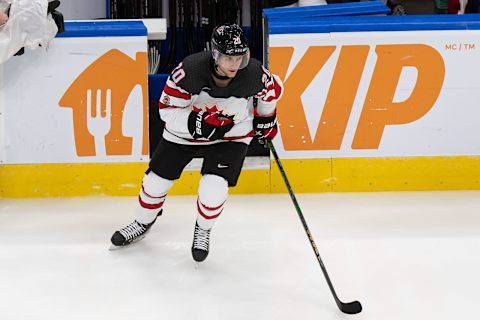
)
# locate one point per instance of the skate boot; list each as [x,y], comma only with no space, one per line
[132,233]
[201,241]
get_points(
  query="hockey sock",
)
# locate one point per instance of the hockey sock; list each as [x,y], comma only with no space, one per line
[152,196]
[212,194]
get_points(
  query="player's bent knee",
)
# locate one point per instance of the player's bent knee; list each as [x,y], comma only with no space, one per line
[155,185]
[213,190]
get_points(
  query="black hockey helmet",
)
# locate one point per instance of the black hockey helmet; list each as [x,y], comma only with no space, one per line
[228,39]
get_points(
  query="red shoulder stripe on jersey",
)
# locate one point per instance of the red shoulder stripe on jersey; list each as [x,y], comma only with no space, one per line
[165,106]
[176,93]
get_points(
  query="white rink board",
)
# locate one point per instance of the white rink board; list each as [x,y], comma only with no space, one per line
[450,128]
[38,130]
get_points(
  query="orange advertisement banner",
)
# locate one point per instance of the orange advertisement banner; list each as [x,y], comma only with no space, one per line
[369,94]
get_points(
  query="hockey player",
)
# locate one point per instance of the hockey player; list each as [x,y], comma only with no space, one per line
[208,109]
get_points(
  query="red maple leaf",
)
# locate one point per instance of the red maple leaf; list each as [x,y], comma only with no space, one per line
[212,109]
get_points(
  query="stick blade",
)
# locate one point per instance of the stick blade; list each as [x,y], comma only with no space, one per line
[351,307]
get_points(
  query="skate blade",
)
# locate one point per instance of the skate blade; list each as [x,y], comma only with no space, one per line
[114,247]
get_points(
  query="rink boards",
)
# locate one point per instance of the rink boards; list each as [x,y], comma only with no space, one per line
[362,110]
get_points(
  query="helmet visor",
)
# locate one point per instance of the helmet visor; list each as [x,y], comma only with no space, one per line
[231,61]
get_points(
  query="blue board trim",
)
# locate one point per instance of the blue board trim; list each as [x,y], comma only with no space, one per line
[107,28]
[376,23]
[338,9]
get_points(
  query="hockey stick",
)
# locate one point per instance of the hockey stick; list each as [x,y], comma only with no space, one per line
[350,307]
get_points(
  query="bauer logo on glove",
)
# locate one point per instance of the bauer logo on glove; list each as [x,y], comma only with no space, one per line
[265,127]
[209,125]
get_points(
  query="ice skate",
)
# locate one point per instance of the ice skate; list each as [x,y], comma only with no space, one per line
[131,233]
[201,242]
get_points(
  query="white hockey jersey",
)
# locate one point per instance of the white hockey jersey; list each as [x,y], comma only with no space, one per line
[191,85]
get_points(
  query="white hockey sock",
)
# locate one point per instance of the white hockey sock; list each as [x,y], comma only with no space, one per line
[212,194]
[152,196]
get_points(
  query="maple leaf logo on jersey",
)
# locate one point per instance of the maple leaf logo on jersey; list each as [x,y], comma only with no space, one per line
[166,100]
[212,109]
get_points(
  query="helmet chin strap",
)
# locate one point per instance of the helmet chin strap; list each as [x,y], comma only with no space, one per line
[217,75]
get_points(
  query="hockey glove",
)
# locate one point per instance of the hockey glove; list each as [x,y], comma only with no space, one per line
[209,125]
[265,127]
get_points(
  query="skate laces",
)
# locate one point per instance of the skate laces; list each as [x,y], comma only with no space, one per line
[201,238]
[133,230]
